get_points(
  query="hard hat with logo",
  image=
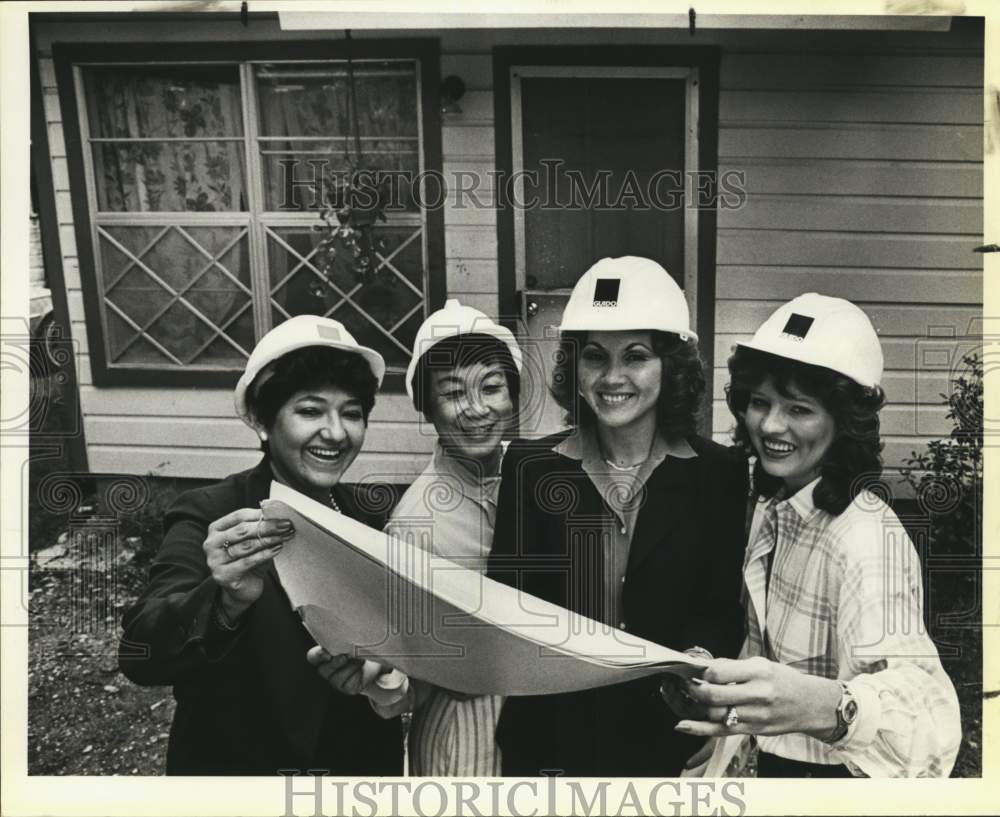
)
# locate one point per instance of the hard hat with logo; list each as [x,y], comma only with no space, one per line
[823,331]
[296,333]
[626,293]
[451,320]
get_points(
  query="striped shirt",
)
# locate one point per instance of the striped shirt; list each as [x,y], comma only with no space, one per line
[845,601]
[451,514]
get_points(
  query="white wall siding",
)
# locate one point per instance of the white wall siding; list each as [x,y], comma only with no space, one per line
[864,181]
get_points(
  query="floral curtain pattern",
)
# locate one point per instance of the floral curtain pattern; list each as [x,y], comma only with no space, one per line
[158,104]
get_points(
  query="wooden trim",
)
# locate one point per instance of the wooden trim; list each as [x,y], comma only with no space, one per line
[426,51]
[48,222]
[703,58]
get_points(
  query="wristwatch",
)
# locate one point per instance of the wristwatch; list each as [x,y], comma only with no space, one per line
[847,713]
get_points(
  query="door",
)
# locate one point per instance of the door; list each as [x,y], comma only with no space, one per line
[603,161]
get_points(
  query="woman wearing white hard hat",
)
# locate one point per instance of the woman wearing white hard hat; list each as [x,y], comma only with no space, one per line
[839,679]
[464,377]
[213,620]
[629,518]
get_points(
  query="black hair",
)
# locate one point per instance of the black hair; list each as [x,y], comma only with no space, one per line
[682,383]
[853,457]
[462,350]
[311,367]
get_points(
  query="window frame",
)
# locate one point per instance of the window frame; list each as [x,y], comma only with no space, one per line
[66,56]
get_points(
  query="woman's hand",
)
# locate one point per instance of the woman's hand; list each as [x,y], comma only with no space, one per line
[238,548]
[349,676]
[388,689]
[768,698]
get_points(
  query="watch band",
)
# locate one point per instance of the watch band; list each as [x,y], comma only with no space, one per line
[847,713]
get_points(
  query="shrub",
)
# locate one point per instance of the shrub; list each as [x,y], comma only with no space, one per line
[948,476]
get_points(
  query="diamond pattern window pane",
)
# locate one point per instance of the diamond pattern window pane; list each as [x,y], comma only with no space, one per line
[382,311]
[182,291]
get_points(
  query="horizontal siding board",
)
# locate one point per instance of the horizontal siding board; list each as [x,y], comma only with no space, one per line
[469,214]
[820,249]
[485,302]
[60,176]
[477,242]
[47,73]
[467,141]
[903,286]
[945,107]
[953,143]
[476,70]
[888,318]
[477,109]
[810,71]
[67,240]
[924,354]
[481,168]
[844,177]
[472,276]
[50,101]
[956,216]
[57,145]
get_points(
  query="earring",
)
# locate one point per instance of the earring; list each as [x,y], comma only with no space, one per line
[263,436]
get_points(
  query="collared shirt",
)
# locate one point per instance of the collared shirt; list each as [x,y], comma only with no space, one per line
[845,601]
[624,495]
[451,512]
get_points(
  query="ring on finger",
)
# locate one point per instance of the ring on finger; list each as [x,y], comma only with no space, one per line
[226,544]
[259,542]
[732,718]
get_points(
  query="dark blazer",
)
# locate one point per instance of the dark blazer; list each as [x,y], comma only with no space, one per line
[248,703]
[682,589]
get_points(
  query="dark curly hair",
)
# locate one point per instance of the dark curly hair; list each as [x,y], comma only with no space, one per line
[311,367]
[682,383]
[853,457]
[463,350]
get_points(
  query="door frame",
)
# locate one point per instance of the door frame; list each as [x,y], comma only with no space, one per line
[703,58]
[687,73]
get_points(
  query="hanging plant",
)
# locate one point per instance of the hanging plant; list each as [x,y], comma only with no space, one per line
[353,203]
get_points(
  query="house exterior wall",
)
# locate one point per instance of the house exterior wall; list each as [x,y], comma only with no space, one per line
[862,153]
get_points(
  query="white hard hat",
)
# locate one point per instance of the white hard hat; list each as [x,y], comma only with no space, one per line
[823,331]
[296,333]
[627,293]
[451,320]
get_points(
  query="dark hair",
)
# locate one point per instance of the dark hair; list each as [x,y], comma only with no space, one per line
[462,350]
[308,368]
[854,453]
[682,383]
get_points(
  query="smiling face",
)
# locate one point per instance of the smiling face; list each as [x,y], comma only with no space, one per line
[314,438]
[790,433]
[619,375]
[471,408]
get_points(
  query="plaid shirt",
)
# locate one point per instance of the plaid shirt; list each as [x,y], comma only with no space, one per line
[845,601]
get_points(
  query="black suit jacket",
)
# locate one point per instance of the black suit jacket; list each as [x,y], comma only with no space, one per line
[682,589]
[247,702]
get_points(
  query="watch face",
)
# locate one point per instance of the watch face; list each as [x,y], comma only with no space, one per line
[850,711]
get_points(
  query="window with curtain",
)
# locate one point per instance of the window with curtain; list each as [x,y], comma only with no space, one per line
[202,228]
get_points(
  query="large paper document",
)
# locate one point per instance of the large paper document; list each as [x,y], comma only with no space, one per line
[363,592]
